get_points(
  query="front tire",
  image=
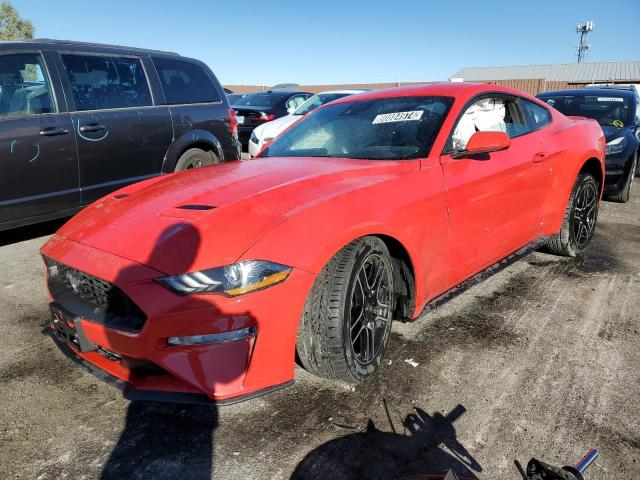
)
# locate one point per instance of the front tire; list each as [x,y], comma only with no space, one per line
[624,195]
[196,158]
[580,218]
[345,325]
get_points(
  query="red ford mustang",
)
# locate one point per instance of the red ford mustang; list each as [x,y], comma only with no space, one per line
[208,282]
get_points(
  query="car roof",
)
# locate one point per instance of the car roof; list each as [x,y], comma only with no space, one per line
[42,43]
[347,91]
[279,92]
[621,92]
[456,90]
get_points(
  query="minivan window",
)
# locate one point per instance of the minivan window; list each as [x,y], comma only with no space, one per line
[184,82]
[24,86]
[103,82]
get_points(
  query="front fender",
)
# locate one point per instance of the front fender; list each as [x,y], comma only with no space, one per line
[192,138]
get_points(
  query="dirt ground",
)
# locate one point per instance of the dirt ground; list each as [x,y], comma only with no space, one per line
[543,359]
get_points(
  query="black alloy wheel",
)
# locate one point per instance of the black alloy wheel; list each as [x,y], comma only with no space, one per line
[584,215]
[370,309]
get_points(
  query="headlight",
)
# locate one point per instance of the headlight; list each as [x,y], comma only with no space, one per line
[232,280]
[254,137]
[616,146]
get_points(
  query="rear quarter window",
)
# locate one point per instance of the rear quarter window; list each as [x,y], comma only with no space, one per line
[185,82]
[537,115]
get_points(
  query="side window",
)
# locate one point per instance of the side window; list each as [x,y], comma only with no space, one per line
[24,86]
[184,82]
[538,116]
[102,82]
[295,101]
[488,115]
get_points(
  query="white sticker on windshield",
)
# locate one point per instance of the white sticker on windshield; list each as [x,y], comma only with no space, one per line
[398,117]
[610,99]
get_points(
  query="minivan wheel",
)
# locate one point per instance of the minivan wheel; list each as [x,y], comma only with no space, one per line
[345,325]
[580,218]
[196,158]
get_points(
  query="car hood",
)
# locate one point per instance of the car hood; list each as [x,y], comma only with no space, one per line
[611,132]
[275,127]
[208,217]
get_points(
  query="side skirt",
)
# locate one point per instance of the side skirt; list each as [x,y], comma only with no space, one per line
[484,274]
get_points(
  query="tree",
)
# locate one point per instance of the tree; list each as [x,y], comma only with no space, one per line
[12,27]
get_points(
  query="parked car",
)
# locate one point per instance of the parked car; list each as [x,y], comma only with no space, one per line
[260,107]
[617,110]
[270,130]
[362,212]
[79,120]
[234,97]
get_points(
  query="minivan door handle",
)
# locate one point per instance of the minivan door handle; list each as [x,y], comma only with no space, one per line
[53,131]
[92,128]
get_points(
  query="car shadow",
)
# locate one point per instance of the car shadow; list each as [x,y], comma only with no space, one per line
[164,441]
[22,234]
[168,440]
[375,454]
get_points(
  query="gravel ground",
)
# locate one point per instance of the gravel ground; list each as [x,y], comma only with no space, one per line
[540,360]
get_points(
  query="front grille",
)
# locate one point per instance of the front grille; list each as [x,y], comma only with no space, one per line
[92,298]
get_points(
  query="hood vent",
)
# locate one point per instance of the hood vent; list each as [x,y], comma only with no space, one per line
[196,207]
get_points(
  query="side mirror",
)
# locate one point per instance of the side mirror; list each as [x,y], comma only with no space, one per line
[484,142]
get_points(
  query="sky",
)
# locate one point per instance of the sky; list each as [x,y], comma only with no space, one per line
[348,41]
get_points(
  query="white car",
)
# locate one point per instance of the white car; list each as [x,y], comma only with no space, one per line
[270,130]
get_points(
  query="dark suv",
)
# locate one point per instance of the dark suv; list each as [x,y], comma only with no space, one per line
[617,109]
[79,120]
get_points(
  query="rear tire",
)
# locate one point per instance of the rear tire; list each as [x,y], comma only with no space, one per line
[624,195]
[580,218]
[196,158]
[345,325]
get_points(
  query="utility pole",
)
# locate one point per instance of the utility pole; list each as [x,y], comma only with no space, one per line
[583,46]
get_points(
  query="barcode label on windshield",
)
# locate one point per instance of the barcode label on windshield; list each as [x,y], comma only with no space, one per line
[610,99]
[398,117]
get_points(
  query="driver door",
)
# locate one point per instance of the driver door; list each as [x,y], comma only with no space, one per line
[494,200]
[39,161]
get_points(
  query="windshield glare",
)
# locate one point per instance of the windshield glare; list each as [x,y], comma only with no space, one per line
[381,129]
[607,109]
[316,101]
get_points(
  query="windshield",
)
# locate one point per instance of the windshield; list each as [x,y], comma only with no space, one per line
[380,129]
[317,100]
[259,100]
[607,109]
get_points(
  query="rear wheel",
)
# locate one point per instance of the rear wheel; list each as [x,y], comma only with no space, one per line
[580,218]
[345,325]
[196,158]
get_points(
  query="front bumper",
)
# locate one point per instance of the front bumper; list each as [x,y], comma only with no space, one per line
[617,168]
[144,361]
[254,148]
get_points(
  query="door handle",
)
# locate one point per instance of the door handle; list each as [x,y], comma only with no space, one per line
[540,157]
[92,128]
[53,131]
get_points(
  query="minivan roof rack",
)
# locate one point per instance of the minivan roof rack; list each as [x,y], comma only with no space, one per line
[93,44]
